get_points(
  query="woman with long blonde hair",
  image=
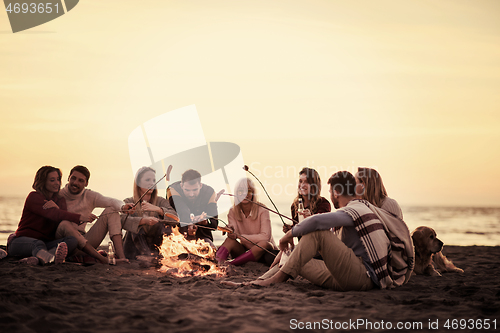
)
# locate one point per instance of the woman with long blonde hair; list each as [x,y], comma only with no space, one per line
[370,187]
[251,226]
[145,227]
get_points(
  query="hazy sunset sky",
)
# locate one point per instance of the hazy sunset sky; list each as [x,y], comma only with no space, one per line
[411,88]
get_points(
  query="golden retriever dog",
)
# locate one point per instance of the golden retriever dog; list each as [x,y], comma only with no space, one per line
[428,254]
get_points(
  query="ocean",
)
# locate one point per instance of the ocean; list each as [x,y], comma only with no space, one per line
[463,226]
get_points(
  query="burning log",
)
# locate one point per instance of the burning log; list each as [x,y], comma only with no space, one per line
[194,258]
[181,257]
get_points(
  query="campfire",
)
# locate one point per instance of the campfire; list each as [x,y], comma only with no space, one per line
[181,257]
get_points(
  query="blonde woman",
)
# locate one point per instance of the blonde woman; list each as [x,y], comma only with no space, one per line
[145,227]
[251,226]
[369,187]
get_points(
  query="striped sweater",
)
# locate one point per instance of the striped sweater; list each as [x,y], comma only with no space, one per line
[387,241]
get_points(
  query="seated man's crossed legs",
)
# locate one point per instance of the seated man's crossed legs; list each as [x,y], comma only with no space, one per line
[88,242]
[109,221]
[339,270]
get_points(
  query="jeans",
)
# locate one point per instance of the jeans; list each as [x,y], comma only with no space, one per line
[27,246]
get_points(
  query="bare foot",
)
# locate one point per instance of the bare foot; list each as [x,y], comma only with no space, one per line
[279,277]
[231,284]
[261,283]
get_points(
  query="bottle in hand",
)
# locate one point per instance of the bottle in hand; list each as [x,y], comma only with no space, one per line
[111,254]
[300,209]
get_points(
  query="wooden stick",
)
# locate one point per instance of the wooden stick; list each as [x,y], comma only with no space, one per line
[228,230]
[260,205]
[247,169]
[166,175]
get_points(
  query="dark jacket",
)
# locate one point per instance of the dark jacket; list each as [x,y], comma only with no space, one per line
[205,202]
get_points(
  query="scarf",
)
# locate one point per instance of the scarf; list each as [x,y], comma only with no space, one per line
[387,241]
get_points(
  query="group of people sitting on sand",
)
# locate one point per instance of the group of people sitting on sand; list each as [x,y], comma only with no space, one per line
[362,245]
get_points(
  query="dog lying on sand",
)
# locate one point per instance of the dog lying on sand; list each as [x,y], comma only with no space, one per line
[428,257]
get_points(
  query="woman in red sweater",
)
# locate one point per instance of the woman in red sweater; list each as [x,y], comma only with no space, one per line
[43,211]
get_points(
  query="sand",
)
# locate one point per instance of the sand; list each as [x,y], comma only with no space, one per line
[130,298]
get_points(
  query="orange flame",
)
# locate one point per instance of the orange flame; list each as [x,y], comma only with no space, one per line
[176,244]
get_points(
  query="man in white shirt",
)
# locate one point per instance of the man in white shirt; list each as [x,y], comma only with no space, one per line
[81,200]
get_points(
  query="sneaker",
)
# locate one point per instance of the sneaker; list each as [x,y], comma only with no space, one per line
[61,253]
[45,257]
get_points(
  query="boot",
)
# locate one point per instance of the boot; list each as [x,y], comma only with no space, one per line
[243,259]
[222,254]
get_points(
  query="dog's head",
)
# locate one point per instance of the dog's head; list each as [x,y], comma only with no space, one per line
[425,241]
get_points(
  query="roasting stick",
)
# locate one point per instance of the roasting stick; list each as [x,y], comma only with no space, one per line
[229,231]
[247,169]
[261,205]
[125,211]
[203,215]
[166,176]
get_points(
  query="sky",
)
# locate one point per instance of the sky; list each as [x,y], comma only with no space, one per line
[410,88]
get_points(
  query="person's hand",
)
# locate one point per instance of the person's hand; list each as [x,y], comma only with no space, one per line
[88,217]
[128,208]
[199,218]
[149,220]
[231,234]
[287,227]
[146,206]
[192,228]
[50,204]
[306,213]
[276,260]
[286,242]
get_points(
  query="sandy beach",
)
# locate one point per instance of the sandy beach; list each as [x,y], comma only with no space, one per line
[131,298]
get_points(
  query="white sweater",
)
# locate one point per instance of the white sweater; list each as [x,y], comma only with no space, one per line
[86,201]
